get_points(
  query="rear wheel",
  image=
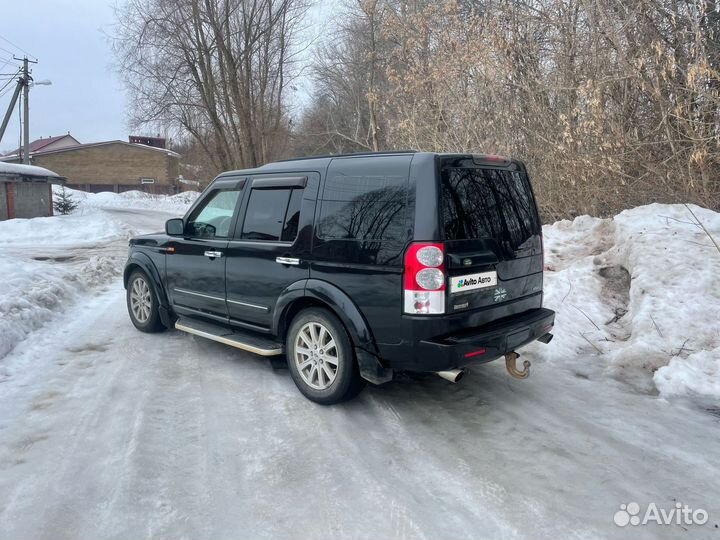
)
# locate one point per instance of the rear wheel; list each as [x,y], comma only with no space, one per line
[142,303]
[320,357]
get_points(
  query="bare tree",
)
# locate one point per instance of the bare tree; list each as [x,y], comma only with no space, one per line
[610,103]
[218,70]
[349,76]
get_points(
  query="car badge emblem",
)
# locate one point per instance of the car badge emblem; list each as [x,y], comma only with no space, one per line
[500,295]
[467,262]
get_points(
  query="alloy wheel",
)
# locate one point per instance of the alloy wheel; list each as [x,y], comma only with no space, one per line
[316,355]
[140,301]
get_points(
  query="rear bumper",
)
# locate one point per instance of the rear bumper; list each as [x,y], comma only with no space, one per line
[478,345]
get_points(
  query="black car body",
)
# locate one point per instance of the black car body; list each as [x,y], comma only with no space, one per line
[430,261]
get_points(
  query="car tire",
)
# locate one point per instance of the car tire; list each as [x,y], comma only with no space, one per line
[142,303]
[321,359]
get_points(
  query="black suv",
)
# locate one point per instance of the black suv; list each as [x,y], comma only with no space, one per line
[354,267]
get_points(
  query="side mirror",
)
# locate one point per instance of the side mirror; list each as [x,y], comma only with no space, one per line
[175,227]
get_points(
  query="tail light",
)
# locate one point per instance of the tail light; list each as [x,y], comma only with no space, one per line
[424,280]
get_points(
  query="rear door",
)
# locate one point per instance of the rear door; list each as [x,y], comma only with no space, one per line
[492,233]
[269,249]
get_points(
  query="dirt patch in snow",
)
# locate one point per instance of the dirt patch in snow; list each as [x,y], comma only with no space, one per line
[88,348]
[615,293]
[59,258]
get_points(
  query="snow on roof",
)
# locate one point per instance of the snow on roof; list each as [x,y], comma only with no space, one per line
[16,169]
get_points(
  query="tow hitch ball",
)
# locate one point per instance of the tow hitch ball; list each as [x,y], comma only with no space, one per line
[510,359]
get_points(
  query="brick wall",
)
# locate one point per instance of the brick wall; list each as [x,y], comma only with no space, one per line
[111,164]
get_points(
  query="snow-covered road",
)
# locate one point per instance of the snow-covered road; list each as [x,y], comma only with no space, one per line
[109,433]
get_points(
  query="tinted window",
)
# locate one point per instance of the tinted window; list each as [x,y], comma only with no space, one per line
[212,218]
[292,216]
[272,214]
[488,203]
[365,199]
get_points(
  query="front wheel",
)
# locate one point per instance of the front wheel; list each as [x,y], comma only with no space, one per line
[320,357]
[142,303]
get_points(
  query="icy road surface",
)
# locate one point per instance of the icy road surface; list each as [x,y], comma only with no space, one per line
[106,432]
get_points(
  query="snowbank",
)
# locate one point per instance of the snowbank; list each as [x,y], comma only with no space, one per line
[637,298]
[133,199]
[47,263]
[698,374]
[79,228]
[34,290]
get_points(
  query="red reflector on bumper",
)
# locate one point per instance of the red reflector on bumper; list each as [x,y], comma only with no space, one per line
[474,353]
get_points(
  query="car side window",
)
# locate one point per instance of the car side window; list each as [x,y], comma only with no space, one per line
[364,201]
[272,215]
[213,217]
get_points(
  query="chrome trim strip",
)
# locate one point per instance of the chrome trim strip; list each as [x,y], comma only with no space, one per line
[226,341]
[256,306]
[184,291]
[261,243]
[191,311]
[287,260]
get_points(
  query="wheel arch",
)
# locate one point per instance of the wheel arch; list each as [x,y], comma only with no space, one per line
[318,293]
[143,262]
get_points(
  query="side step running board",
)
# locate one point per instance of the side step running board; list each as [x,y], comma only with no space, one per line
[235,338]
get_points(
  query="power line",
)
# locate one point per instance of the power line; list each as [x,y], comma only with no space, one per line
[9,78]
[5,61]
[4,86]
[6,50]
[8,84]
[6,40]
[4,90]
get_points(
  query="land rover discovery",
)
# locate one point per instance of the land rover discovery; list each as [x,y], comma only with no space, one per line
[353,267]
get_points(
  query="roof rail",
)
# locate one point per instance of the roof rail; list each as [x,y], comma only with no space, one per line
[351,154]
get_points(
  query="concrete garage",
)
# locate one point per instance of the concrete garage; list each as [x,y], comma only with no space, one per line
[26,191]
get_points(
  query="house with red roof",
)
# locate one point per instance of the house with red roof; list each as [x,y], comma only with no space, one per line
[45,144]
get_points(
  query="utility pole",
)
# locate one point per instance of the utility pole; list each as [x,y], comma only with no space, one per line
[26,112]
[23,83]
[27,79]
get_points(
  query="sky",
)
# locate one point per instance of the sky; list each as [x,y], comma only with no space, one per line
[69,39]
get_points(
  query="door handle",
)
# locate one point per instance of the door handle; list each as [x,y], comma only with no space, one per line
[213,254]
[287,260]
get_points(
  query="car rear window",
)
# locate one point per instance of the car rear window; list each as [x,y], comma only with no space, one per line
[488,203]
